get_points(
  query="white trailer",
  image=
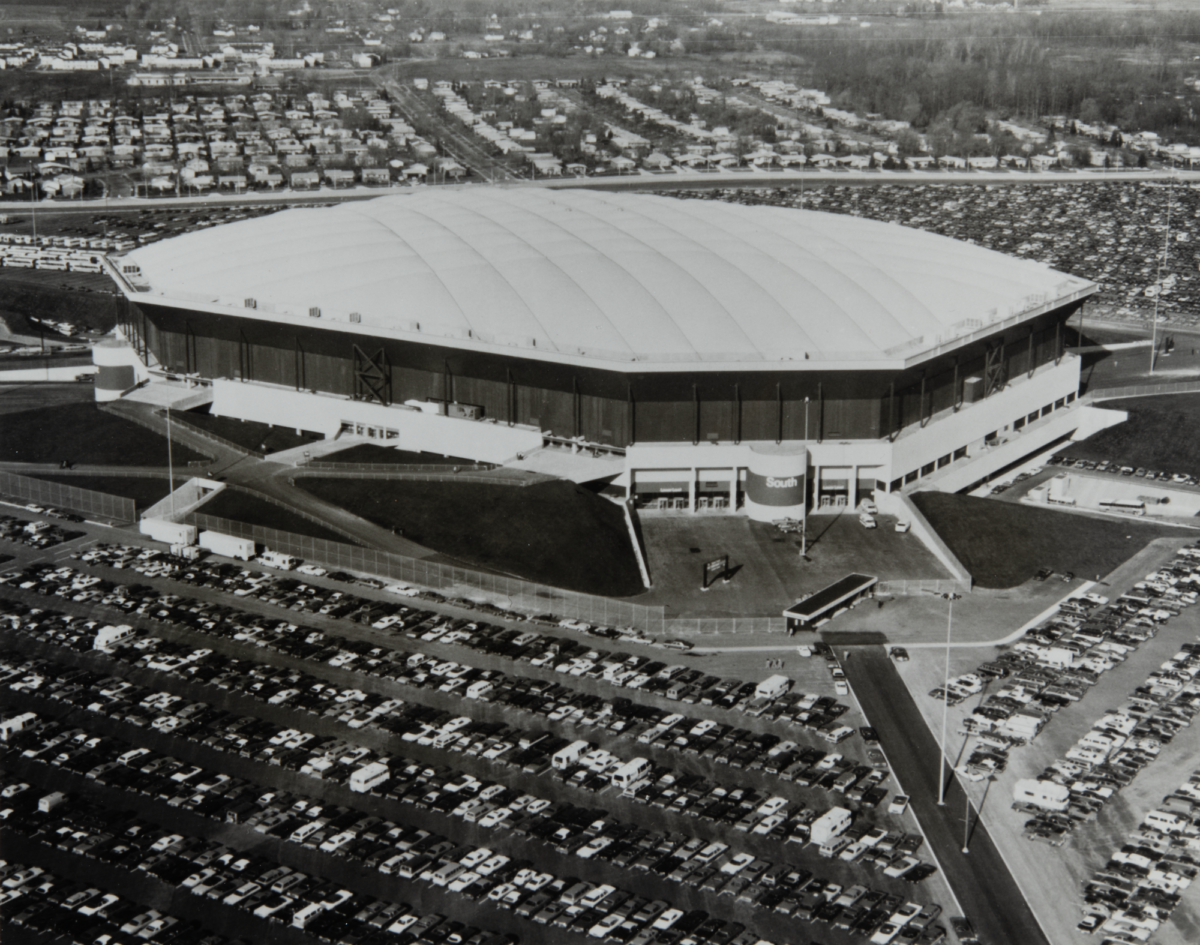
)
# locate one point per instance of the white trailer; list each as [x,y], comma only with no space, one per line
[1049,795]
[631,775]
[565,757]
[368,777]
[772,687]
[173,533]
[833,823]
[277,559]
[228,545]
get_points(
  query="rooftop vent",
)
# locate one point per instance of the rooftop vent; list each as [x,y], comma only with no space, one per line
[355,317]
[314,312]
[251,303]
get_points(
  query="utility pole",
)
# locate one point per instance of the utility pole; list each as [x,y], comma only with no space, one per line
[950,598]
[804,517]
[1158,276]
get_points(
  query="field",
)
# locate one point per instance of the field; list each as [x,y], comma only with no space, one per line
[81,433]
[1003,544]
[145,492]
[554,533]
[89,302]
[248,433]
[243,507]
[1161,433]
[369,453]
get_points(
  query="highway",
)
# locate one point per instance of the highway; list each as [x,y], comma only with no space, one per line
[981,880]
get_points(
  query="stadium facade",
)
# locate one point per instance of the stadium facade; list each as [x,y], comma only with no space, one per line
[766,358]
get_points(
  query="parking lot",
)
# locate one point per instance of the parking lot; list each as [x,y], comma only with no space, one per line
[1050,875]
[468,719]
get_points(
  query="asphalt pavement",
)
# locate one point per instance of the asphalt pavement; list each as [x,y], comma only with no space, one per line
[981,880]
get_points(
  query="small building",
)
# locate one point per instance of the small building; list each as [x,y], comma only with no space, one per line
[807,613]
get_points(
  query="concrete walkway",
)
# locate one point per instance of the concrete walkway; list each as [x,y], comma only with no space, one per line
[932,645]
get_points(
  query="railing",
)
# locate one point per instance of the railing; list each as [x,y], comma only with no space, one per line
[700,626]
[87,501]
[1142,390]
[134,417]
[305,472]
[394,467]
[213,437]
[511,593]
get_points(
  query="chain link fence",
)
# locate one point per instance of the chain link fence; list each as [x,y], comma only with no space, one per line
[701,626]
[424,475]
[324,466]
[509,593]
[911,588]
[85,501]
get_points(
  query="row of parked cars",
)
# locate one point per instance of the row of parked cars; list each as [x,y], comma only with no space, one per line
[1121,744]
[817,714]
[37,534]
[418,855]
[278,588]
[649,725]
[532,750]
[257,886]
[1116,468]
[1141,884]
[234,678]
[34,899]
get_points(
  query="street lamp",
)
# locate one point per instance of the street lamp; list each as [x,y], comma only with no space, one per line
[1158,276]
[950,599]
[804,517]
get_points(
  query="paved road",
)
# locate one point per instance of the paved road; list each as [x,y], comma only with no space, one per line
[981,880]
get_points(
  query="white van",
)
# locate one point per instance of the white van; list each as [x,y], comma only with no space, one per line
[566,757]
[631,775]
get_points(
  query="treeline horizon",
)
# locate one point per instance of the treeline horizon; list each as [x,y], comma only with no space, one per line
[1122,69]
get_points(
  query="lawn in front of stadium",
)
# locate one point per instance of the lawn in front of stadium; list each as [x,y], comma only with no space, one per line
[249,433]
[145,492]
[1162,433]
[1003,544]
[251,510]
[81,433]
[370,453]
[554,533]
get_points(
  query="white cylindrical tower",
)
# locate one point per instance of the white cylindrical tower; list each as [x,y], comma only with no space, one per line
[776,482]
[116,368]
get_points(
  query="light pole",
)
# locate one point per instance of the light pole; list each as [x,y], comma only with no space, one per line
[804,517]
[950,599]
[966,820]
[170,463]
[1158,276]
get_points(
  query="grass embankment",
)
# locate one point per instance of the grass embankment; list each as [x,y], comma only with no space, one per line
[22,296]
[249,433]
[370,453]
[145,492]
[82,433]
[251,510]
[1162,433]
[1003,544]
[553,533]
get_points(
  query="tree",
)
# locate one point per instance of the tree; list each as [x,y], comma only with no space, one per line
[908,142]
[1089,111]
